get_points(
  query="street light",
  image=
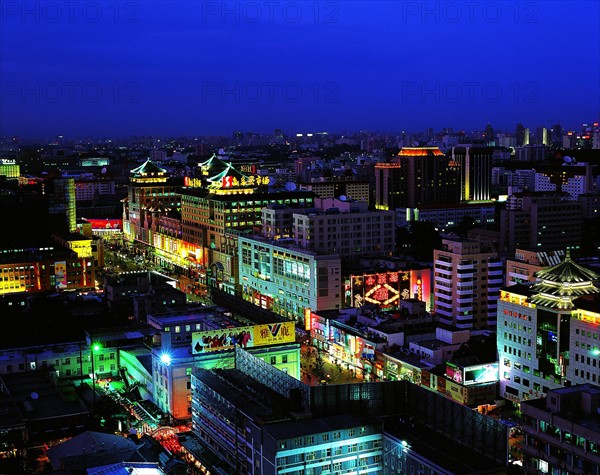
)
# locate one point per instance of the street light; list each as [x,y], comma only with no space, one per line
[95,347]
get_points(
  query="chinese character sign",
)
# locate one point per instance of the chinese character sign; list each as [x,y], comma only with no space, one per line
[385,289]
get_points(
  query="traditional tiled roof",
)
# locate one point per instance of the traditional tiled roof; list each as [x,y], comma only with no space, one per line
[559,285]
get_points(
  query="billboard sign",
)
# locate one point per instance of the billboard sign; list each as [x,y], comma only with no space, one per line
[244,337]
[454,373]
[485,373]
[60,274]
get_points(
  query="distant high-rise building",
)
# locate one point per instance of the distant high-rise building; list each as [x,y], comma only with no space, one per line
[520,135]
[475,171]
[541,136]
[417,176]
[158,155]
[62,203]
[556,135]
[489,136]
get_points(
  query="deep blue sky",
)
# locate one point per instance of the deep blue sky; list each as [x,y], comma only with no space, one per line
[117,68]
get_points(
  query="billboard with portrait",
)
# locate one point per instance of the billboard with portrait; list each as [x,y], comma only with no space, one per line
[60,274]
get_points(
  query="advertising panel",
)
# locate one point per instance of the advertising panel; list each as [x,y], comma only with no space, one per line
[101,224]
[454,373]
[384,289]
[244,337]
[485,373]
[60,274]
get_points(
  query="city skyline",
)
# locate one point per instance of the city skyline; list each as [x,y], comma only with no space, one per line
[173,69]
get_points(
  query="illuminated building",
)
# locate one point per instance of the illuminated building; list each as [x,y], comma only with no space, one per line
[445,216]
[353,190]
[345,228]
[214,215]
[47,269]
[149,189]
[257,420]
[467,281]
[9,168]
[562,431]
[546,331]
[417,176]
[545,221]
[522,135]
[475,171]
[287,279]
[88,186]
[569,177]
[201,337]
[60,193]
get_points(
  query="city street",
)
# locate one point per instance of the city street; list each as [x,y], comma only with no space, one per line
[319,368]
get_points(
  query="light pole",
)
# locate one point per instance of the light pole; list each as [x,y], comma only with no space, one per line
[95,347]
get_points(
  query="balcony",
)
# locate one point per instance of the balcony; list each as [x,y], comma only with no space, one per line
[460,291]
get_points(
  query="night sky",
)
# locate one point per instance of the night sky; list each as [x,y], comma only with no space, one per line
[110,68]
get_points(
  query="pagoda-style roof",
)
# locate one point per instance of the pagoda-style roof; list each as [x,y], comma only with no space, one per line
[217,180]
[559,285]
[157,207]
[148,168]
[213,163]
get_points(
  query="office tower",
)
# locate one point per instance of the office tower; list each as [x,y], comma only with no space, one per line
[467,281]
[544,221]
[417,176]
[475,171]
[519,134]
[61,203]
[556,135]
[548,331]
[489,135]
[541,136]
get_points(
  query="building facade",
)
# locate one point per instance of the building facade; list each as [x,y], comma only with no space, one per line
[287,279]
[562,431]
[543,341]
[467,283]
